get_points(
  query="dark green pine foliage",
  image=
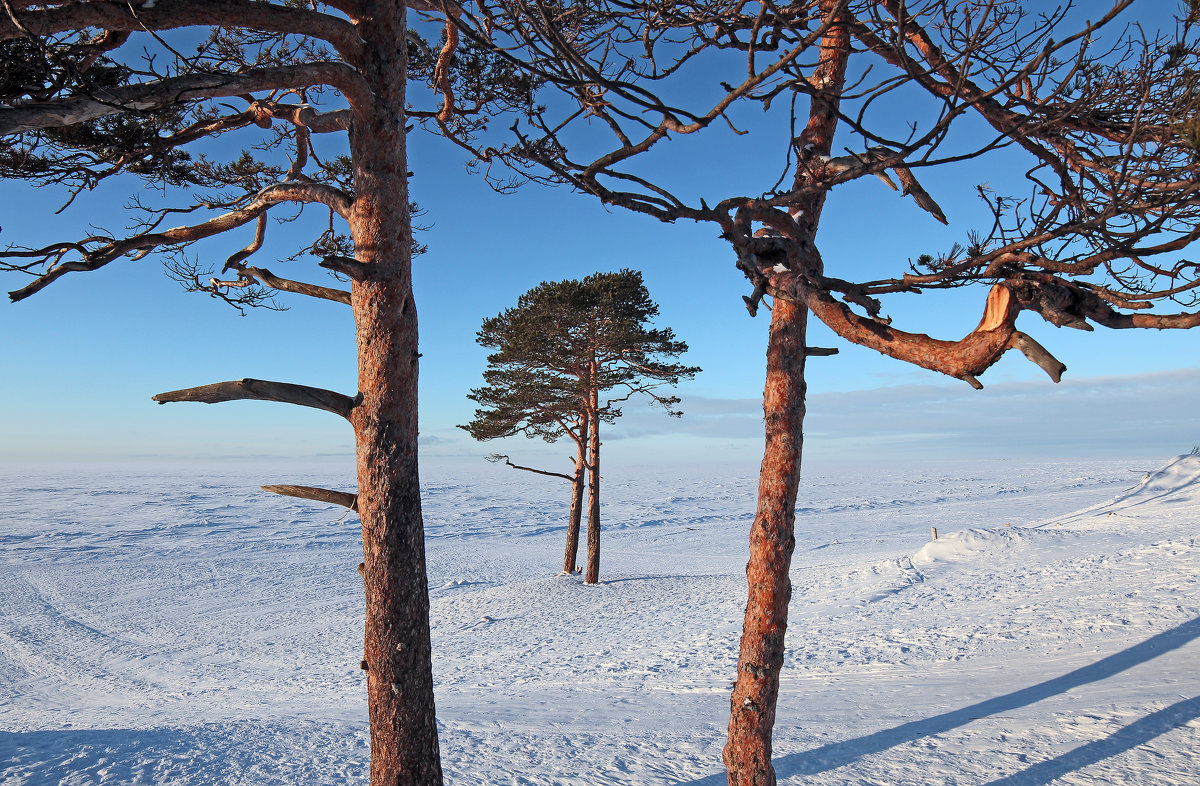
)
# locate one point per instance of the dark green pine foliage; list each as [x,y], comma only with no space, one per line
[567,356]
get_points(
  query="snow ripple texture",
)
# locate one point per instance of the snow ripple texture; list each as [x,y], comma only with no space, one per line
[178,625]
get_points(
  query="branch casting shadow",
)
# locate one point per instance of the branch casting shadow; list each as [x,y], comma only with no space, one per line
[1137,733]
[838,754]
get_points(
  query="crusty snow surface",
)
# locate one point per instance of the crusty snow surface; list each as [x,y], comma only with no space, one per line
[177,625]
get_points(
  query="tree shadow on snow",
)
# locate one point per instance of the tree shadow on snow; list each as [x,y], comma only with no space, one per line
[1137,733]
[839,754]
[211,754]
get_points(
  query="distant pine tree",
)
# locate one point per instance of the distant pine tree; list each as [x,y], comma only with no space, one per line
[560,351]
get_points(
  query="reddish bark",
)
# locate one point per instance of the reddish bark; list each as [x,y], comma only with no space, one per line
[752,707]
[404,744]
[969,356]
[571,555]
[747,753]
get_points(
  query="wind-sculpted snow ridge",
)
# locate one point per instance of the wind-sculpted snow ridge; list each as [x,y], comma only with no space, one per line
[164,626]
[1174,486]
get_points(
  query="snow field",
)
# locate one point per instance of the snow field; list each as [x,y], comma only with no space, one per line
[177,625]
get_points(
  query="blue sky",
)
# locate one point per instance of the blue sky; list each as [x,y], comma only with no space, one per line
[82,358]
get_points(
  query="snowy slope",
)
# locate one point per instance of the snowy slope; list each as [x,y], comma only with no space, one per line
[177,625]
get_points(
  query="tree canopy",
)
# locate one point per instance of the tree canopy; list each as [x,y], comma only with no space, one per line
[593,333]
[560,353]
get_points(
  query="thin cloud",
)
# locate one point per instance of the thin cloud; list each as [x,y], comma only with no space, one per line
[1120,415]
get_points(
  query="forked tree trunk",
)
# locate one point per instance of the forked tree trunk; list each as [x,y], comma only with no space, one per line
[404,744]
[592,574]
[571,555]
[752,707]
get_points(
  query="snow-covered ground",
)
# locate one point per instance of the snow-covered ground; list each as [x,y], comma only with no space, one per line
[177,625]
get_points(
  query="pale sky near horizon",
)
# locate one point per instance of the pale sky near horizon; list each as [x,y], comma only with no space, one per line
[82,358]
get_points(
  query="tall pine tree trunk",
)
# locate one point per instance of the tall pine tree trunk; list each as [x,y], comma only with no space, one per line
[748,752]
[571,555]
[404,744]
[593,531]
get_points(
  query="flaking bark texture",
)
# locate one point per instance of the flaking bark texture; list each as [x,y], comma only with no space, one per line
[752,707]
[747,752]
[404,744]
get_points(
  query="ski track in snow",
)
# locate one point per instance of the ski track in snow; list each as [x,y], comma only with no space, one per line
[178,625]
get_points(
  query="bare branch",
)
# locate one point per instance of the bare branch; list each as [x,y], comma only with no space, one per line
[441,69]
[496,457]
[967,357]
[174,14]
[176,90]
[345,499]
[262,390]
[345,265]
[285,285]
[910,187]
[1038,354]
[140,245]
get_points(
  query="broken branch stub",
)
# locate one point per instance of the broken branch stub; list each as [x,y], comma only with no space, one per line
[1039,355]
[297,287]
[263,390]
[343,498]
[964,359]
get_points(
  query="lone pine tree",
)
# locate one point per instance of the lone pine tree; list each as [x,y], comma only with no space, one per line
[560,352]
[1095,119]
[316,97]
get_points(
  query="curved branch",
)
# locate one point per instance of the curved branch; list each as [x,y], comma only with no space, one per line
[441,69]
[345,499]
[174,90]
[145,243]
[316,122]
[1065,304]
[263,390]
[964,359]
[174,14]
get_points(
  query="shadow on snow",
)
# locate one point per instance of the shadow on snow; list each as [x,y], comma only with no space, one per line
[209,754]
[839,754]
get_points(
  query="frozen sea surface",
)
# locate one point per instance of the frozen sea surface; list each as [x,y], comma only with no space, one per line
[178,625]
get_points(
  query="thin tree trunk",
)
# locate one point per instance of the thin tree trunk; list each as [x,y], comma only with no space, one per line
[404,744]
[571,556]
[747,752]
[593,531]
[772,539]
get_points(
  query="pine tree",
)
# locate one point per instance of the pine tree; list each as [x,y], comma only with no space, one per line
[291,107]
[1085,118]
[560,351]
